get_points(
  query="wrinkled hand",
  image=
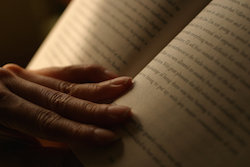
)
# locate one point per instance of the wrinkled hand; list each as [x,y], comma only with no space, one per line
[62,104]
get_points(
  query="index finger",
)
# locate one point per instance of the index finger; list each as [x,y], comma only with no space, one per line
[77,73]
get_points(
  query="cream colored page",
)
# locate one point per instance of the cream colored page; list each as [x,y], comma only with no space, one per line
[191,102]
[121,35]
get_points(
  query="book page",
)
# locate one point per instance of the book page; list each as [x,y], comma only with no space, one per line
[191,103]
[121,35]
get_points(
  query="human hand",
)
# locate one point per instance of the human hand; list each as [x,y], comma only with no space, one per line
[58,103]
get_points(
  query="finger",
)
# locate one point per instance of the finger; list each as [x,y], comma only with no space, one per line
[95,92]
[34,120]
[74,74]
[68,106]
[104,91]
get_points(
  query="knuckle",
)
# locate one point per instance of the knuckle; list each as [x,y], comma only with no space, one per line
[96,111]
[65,87]
[4,94]
[87,132]
[104,108]
[5,74]
[5,97]
[91,108]
[77,130]
[109,82]
[57,100]
[91,130]
[46,120]
[94,88]
[14,68]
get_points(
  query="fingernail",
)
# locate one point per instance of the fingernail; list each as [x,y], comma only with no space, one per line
[119,111]
[110,73]
[103,136]
[122,81]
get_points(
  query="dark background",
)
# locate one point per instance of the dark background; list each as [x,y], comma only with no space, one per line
[23,26]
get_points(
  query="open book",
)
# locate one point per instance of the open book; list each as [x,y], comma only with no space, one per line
[190,60]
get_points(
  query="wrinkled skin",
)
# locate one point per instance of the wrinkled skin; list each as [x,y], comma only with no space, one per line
[65,105]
